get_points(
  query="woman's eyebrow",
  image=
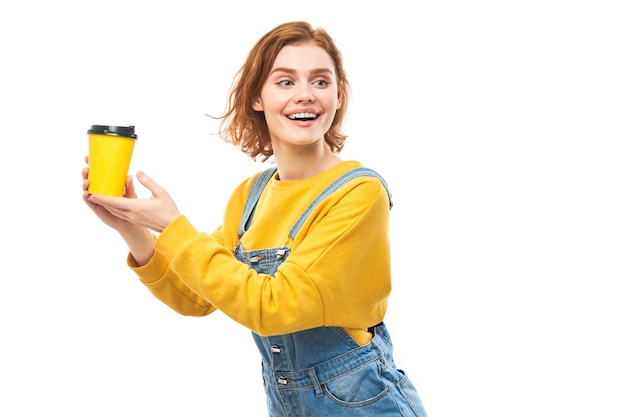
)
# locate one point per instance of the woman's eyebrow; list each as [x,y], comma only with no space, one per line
[316,71]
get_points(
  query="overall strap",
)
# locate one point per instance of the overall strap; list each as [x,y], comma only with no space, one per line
[264,177]
[334,186]
[253,198]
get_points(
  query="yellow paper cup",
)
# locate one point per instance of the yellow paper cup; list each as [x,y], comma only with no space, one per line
[110,152]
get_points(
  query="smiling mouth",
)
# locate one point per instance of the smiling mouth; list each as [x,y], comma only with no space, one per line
[302,116]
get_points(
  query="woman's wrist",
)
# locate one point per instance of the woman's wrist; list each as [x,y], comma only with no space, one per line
[140,242]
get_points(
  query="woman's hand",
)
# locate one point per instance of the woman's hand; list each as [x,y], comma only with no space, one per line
[131,217]
[154,213]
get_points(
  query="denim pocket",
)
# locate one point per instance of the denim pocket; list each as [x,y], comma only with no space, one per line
[358,388]
[408,391]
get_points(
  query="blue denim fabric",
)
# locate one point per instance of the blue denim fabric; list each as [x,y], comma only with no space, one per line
[323,371]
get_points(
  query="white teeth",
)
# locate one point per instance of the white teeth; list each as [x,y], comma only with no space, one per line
[302,116]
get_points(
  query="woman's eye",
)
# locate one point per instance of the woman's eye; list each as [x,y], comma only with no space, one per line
[284,83]
[321,83]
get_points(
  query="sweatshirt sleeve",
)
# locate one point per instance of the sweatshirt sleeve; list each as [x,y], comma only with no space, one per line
[164,283]
[336,275]
[166,286]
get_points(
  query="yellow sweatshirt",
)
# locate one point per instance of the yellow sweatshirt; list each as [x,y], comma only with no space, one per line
[337,274]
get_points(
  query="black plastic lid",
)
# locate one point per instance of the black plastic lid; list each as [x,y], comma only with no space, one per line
[127,131]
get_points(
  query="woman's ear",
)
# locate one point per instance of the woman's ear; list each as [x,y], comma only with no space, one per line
[257,105]
[339,98]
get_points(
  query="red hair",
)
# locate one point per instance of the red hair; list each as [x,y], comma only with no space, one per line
[245,127]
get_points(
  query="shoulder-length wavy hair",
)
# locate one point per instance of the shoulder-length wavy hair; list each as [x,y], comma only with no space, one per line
[245,127]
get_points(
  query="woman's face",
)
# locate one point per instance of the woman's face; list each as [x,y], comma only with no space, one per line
[300,96]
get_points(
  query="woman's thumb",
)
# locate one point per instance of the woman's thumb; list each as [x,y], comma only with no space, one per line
[148,182]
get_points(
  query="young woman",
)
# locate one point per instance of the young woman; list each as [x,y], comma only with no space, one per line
[302,257]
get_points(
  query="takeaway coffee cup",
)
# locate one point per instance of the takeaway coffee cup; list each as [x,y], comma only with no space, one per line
[110,152]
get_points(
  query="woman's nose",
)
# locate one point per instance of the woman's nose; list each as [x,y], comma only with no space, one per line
[304,94]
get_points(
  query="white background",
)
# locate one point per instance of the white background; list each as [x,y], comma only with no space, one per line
[498,125]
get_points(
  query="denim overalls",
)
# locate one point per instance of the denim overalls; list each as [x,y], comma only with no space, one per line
[323,371]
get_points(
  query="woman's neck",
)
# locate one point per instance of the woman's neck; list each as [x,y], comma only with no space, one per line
[298,164]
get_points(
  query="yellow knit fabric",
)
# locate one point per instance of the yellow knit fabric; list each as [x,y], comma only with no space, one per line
[337,274]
